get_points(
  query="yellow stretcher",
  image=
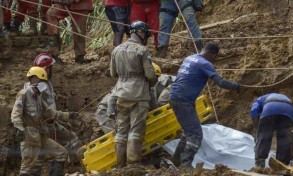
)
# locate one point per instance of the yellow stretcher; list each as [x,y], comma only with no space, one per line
[162,127]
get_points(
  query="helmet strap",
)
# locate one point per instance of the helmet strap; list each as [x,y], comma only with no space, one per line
[143,40]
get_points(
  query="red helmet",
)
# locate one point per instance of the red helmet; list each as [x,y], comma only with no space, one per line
[44,60]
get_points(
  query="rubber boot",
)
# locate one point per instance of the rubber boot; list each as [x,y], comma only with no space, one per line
[56,169]
[15,27]
[7,27]
[118,36]
[259,166]
[176,158]
[134,151]
[43,29]
[79,59]
[53,47]
[188,156]
[120,148]
[32,31]
[2,36]
[162,51]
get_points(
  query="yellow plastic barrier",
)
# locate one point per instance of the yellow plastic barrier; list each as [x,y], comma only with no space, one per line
[162,127]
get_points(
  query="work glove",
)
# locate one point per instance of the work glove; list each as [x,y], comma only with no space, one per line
[73,115]
[64,2]
[20,135]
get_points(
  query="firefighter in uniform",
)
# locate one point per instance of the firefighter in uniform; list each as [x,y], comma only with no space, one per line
[27,116]
[131,63]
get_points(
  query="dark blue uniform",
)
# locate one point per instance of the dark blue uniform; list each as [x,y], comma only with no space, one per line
[275,113]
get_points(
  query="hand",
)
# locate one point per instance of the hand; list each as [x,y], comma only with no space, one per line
[20,135]
[73,115]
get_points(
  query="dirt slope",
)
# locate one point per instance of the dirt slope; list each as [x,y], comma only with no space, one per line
[78,85]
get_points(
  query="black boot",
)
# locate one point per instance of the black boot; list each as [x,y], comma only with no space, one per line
[57,168]
[79,59]
[2,36]
[162,51]
[176,158]
[7,27]
[15,27]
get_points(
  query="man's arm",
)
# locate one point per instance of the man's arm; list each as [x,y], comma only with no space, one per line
[50,112]
[148,68]
[256,109]
[17,111]
[113,66]
[225,84]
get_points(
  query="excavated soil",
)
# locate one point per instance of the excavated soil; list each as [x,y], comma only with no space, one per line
[78,85]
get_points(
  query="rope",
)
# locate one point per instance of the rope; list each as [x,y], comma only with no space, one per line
[212,101]
[270,85]
[173,35]
[193,41]
[46,22]
[101,96]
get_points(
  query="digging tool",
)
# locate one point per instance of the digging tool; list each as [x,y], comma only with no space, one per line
[279,167]
[73,20]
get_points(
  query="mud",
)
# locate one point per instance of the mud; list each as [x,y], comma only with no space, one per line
[78,85]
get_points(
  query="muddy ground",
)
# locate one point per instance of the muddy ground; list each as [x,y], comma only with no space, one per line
[78,85]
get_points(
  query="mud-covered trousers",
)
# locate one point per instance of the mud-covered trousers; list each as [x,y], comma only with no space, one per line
[190,123]
[53,17]
[264,134]
[63,136]
[131,121]
[35,144]
[168,14]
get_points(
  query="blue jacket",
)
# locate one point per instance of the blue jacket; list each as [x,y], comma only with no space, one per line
[272,104]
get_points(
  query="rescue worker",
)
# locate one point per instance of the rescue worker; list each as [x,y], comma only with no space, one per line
[269,113]
[28,9]
[131,63]
[168,14]
[148,12]
[191,79]
[54,15]
[118,11]
[7,15]
[155,91]
[106,110]
[2,36]
[27,116]
[57,131]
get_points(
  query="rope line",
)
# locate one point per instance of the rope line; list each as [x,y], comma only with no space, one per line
[173,35]
[269,85]
[251,86]
[47,23]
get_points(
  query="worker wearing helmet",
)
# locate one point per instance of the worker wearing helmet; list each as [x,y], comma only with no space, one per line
[131,63]
[57,132]
[27,116]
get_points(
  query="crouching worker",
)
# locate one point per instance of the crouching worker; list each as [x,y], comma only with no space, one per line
[269,113]
[27,117]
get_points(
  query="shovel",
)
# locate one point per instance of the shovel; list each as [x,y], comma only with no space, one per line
[279,167]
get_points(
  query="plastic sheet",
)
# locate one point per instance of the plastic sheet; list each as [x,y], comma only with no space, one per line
[222,145]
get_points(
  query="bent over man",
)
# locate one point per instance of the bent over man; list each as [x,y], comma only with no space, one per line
[131,63]
[27,117]
[269,113]
[191,79]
